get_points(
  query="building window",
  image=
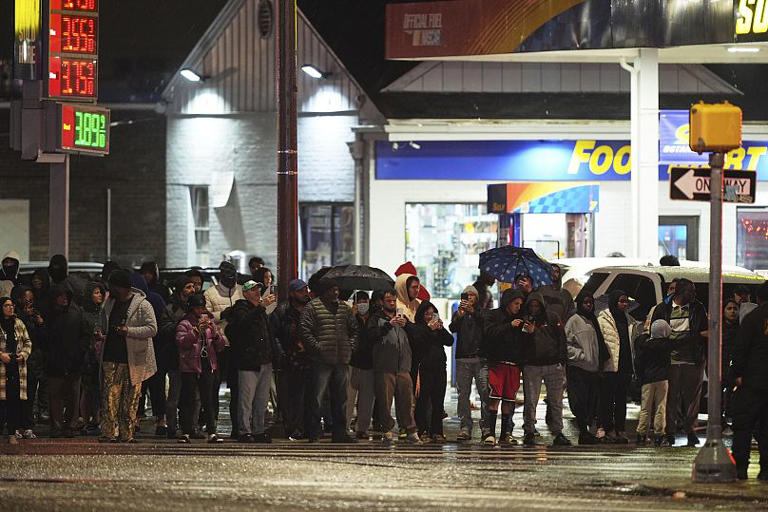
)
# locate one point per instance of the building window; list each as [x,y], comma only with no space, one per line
[444,242]
[327,236]
[752,238]
[200,216]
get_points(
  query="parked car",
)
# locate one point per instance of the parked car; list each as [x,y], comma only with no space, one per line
[576,270]
[85,270]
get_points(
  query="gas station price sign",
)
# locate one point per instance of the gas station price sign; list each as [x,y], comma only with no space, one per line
[73,49]
[84,128]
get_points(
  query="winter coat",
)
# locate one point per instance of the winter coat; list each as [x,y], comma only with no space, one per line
[404,304]
[142,326]
[612,340]
[252,338]
[329,337]
[190,344]
[391,346]
[750,355]
[427,346]
[559,302]
[362,357]
[583,344]
[24,347]
[285,325]
[652,358]
[69,338]
[548,345]
[174,313]
[7,282]
[693,348]
[469,334]
[218,298]
[503,343]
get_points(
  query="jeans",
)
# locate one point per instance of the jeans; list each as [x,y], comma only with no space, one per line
[172,401]
[653,403]
[333,377]
[11,407]
[197,385]
[583,393]
[429,405]
[295,391]
[613,401]
[254,389]
[466,370]
[553,376]
[685,382]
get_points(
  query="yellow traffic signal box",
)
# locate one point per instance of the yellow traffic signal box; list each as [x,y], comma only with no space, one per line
[715,127]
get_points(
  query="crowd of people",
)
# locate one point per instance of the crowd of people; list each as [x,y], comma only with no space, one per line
[83,355]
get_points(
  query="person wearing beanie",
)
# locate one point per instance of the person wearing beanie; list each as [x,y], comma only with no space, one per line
[467,324]
[652,362]
[329,332]
[128,325]
[199,342]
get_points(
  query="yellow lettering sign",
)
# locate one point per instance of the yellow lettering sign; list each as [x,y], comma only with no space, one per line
[752,17]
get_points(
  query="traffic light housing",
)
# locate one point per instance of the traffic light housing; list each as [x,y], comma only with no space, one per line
[715,127]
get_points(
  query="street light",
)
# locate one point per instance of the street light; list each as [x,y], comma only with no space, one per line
[190,75]
[314,72]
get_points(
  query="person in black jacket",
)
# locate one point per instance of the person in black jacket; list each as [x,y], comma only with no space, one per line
[66,344]
[545,357]
[255,350]
[750,401]
[688,320]
[361,380]
[503,340]
[428,338]
[730,335]
[467,323]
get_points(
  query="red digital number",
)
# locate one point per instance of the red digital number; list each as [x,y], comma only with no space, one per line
[78,34]
[79,5]
[77,77]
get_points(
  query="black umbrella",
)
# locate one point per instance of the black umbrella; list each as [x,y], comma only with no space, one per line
[360,277]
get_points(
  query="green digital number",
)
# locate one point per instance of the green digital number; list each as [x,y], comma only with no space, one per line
[90,130]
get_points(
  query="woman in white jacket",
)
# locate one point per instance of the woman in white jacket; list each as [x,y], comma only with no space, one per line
[616,326]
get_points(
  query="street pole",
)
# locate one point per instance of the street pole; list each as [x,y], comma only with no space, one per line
[713,462]
[58,208]
[287,155]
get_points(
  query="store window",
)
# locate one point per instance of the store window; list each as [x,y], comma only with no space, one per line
[444,242]
[679,236]
[752,238]
[200,216]
[327,236]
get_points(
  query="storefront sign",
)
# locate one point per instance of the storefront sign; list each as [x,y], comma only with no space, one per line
[751,20]
[543,198]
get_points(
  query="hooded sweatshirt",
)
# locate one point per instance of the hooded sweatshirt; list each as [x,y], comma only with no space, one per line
[548,346]
[652,353]
[503,343]
[10,273]
[469,329]
[68,337]
[409,268]
[404,304]
[427,344]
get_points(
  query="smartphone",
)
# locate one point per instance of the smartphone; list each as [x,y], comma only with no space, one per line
[400,313]
[464,296]
[271,289]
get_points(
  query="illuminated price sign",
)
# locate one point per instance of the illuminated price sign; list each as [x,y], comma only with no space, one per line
[84,129]
[73,49]
[751,20]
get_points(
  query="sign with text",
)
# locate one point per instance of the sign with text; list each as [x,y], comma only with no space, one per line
[693,184]
[73,49]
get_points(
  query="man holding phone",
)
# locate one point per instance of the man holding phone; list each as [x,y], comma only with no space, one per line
[470,362]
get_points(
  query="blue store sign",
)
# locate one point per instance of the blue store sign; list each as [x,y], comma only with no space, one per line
[551,160]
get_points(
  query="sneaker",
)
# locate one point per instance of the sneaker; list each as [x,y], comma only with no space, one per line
[658,439]
[508,440]
[344,439]
[438,439]
[13,440]
[213,438]
[184,439]
[263,438]
[464,435]
[245,438]
[413,439]
[640,439]
[386,438]
[692,440]
[668,441]
[489,439]
[161,430]
[197,435]
[18,434]
[93,430]
[529,439]
[28,434]
[587,437]
[425,439]
[561,440]
[402,434]
[362,436]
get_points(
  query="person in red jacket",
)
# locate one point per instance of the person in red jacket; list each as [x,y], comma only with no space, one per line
[198,339]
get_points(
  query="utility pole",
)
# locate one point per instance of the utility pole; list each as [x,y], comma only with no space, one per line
[287,154]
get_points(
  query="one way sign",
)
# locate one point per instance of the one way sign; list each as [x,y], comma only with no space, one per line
[692,184]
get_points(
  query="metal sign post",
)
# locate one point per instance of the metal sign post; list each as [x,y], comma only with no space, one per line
[713,462]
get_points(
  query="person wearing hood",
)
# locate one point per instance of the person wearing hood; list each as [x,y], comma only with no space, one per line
[617,328]
[587,352]
[66,346]
[294,381]
[9,273]
[90,395]
[199,342]
[58,270]
[329,331]
[467,324]
[409,268]
[41,285]
[524,283]
[255,350]
[428,338]
[688,319]
[174,313]
[155,385]
[545,357]
[24,303]
[504,340]
[407,289]
[151,273]
[15,348]
[128,325]
[484,295]
[559,301]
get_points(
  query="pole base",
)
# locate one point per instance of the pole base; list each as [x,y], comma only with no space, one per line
[714,464]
